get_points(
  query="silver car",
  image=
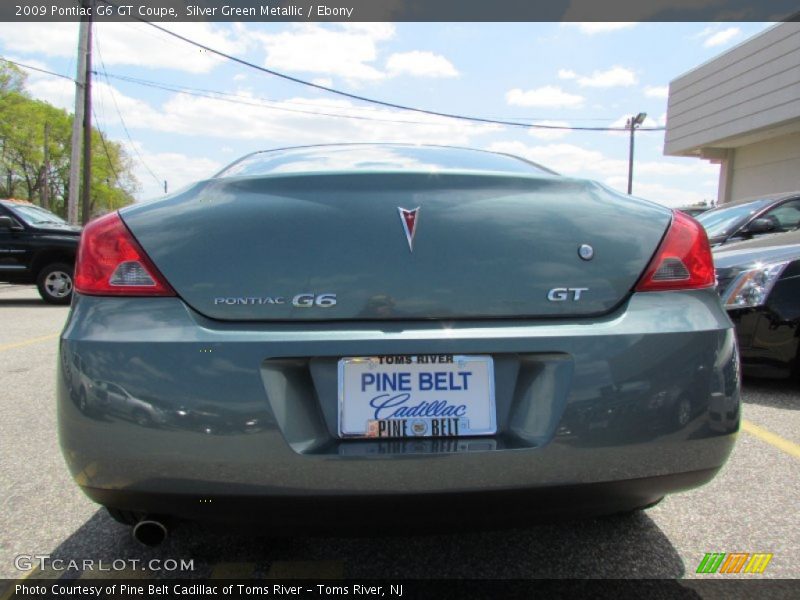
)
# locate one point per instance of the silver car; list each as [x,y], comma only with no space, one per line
[364,335]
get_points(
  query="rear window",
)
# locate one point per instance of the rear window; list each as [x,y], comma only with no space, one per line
[320,159]
[34,215]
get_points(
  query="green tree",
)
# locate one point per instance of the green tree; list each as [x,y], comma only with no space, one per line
[24,173]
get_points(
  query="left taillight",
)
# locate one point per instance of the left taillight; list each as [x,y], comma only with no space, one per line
[112,263]
[683,261]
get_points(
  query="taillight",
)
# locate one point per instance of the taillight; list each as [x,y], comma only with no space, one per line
[683,260]
[112,263]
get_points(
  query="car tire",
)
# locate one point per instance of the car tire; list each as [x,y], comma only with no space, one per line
[55,283]
[683,412]
[142,418]
[82,401]
[125,517]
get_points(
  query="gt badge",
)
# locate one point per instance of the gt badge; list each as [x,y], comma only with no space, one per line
[409,219]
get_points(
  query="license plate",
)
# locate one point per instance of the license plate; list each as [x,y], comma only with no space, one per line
[426,395]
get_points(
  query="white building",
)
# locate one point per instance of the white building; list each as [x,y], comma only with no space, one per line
[742,110]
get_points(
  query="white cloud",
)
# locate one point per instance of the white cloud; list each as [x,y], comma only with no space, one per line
[656,91]
[323,81]
[568,159]
[720,38]
[548,96]
[129,43]
[268,126]
[566,74]
[578,161]
[345,50]
[550,134]
[48,39]
[59,92]
[420,64]
[178,169]
[614,77]
[663,194]
[600,27]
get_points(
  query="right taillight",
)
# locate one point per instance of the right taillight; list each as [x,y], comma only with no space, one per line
[683,260]
[112,263]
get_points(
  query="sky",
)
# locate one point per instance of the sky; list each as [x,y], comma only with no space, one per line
[576,74]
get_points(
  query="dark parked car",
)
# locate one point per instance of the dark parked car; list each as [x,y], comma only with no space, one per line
[747,219]
[397,335]
[37,246]
[694,211]
[759,282]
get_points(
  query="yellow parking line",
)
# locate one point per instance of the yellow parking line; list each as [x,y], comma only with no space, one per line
[771,438]
[35,340]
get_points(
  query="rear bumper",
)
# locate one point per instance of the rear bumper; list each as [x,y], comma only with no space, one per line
[401,513]
[632,405]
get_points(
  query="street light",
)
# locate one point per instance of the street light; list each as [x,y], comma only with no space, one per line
[632,124]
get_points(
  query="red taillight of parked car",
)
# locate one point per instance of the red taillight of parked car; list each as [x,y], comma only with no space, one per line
[683,260]
[111,262]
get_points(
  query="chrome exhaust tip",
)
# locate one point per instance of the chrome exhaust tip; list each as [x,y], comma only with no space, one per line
[150,532]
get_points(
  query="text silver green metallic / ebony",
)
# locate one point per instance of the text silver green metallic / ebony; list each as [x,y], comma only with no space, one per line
[271,340]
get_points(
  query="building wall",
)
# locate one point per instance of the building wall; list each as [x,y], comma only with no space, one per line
[751,87]
[764,168]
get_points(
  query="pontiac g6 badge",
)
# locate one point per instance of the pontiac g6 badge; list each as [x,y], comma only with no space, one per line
[409,219]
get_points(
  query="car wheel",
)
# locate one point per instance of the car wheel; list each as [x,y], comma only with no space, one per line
[55,283]
[683,413]
[125,517]
[83,401]
[142,418]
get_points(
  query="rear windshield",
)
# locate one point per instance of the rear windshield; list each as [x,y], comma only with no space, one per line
[377,158]
[34,215]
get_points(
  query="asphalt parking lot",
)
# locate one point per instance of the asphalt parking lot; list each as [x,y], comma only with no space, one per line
[752,506]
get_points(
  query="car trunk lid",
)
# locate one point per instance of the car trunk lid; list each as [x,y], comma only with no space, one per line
[285,247]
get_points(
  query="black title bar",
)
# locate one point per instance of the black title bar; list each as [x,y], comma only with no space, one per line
[401,10]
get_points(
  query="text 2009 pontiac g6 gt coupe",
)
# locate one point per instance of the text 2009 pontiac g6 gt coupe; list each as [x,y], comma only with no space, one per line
[358,334]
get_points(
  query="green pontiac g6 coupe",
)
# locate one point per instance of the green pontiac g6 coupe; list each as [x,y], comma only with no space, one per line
[357,336]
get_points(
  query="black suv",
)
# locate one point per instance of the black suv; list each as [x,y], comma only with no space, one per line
[38,247]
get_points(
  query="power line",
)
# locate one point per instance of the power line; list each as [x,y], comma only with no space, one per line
[247,101]
[122,120]
[24,66]
[105,148]
[238,99]
[179,88]
[283,103]
[205,93]
[331,90]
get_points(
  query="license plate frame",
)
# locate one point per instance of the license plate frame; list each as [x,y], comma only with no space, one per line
[430,418]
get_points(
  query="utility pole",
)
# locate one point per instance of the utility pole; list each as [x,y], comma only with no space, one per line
[632,124]
[165,186]
[87,126]
[46,174]
[77,122]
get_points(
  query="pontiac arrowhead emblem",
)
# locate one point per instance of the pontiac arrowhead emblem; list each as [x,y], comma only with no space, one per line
[410,218]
